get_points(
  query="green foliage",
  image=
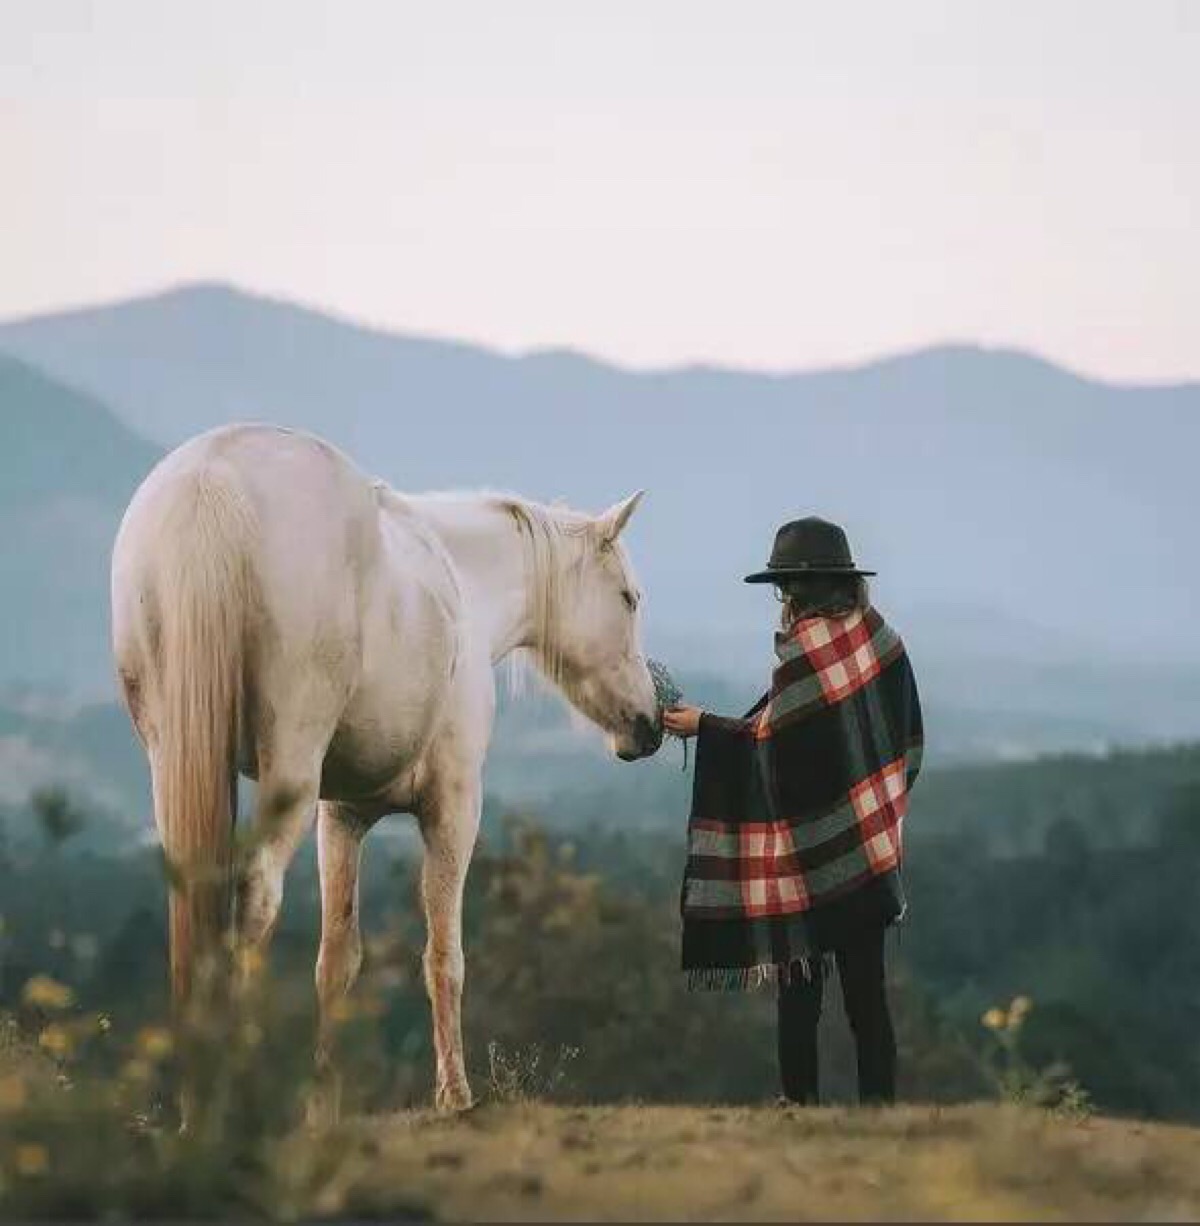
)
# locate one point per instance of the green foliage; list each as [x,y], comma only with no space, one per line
[90,1140]
[573,994]
[88,1127]
[57,816]
[561,958]
[1112,800]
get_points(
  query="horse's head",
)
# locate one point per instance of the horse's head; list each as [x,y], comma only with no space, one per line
[596,655]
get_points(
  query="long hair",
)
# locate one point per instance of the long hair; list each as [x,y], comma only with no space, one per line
[552,537]
[543,539]
[204,594]
[821,595]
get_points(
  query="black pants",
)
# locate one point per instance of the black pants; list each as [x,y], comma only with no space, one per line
[860,969]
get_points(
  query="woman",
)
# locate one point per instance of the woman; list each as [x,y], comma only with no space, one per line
[794,842]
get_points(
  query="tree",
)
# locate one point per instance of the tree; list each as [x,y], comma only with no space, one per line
[57,815]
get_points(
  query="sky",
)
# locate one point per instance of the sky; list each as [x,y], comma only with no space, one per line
[776,185]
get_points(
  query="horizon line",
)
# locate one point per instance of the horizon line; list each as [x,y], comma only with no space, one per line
[234,289]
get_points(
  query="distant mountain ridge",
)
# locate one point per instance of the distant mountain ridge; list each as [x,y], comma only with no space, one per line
[32,330]
[972,479]
[67,469]
[58,440]
[1033,529]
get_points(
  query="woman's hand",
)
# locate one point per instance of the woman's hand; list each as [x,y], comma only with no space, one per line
[682,721]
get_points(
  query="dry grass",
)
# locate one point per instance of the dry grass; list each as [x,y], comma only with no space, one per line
[533,1162]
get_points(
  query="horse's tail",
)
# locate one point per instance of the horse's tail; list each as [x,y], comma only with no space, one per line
[203,597]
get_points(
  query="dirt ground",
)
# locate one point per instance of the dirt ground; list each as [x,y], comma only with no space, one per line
[534,1162]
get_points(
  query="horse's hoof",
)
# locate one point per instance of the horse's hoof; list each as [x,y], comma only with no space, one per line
[454,1101]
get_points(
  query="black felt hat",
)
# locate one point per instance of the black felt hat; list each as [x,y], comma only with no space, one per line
[809,546]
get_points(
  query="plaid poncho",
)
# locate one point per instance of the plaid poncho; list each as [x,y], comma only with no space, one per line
[797,808]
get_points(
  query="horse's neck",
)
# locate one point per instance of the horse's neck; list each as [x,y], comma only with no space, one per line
[484,541]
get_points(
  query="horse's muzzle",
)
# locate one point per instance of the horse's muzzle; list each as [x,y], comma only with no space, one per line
[644,740]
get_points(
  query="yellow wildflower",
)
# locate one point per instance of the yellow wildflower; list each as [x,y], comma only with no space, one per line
[46,993]
[137,1070]
[155,1042]
[12,1093]
[31,1159]
[103,1023]
[56,1040]
[995,1019]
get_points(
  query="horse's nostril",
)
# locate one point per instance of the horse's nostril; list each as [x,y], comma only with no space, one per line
[648,732]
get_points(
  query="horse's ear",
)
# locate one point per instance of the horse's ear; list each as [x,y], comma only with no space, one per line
[612,523]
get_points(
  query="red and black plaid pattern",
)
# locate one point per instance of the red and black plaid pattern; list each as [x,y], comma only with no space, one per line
[770,880]
[803,801]
[880,804]
[840,653]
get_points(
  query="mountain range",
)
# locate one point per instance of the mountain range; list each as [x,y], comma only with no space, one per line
[67,469]
[1033,528]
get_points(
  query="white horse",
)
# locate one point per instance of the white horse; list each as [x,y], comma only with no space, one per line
[277,612]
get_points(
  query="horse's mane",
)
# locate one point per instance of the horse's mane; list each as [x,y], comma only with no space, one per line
[550,536]
[547,534]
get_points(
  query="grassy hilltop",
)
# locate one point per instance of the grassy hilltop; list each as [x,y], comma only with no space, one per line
[531,1162]
[527,1160]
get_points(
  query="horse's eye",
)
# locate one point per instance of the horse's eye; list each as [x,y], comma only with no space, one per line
[629,598]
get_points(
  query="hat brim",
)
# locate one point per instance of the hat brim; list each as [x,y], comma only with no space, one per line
[793,572]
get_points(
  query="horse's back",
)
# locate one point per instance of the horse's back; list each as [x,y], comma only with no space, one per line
[284,510]
[347,616]
[306,507]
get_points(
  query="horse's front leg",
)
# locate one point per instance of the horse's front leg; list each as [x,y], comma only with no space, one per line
[449,817]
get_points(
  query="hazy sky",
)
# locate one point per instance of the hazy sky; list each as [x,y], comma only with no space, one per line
[767,184]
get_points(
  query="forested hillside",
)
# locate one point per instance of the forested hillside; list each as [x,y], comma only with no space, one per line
[539,764]
[572,922]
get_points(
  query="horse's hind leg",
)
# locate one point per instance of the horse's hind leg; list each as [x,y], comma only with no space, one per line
[289,779]
[339,851]
[297,707]
[284,815]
